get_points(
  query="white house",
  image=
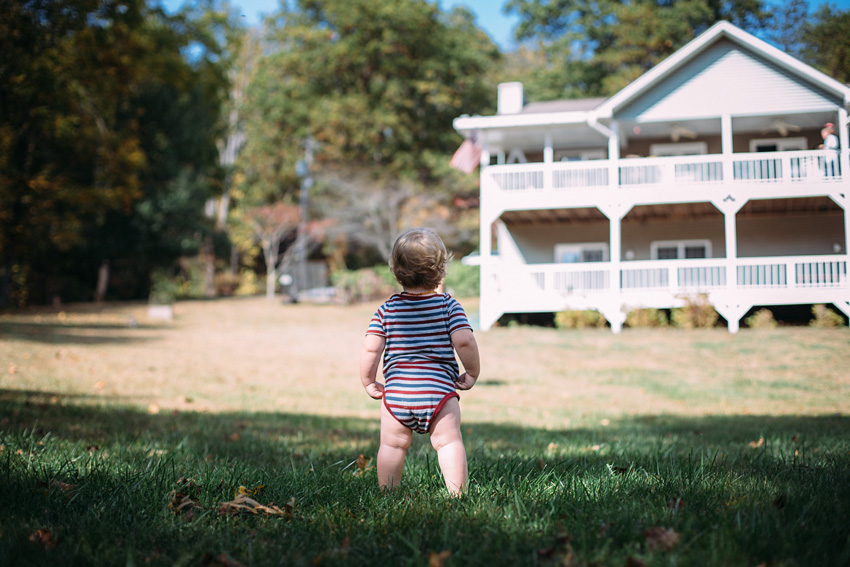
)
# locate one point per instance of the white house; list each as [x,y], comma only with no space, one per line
[702,177]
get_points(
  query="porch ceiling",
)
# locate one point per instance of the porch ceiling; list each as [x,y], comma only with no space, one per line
[554,216]
[782,206]
[671,211]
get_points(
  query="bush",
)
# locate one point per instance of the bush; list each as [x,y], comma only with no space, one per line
[646,318]
[365,284]
[761,319]
[579,319]
[697,313]
[164,288]
[462,280]
[249,284]
[825,317]
[226,283]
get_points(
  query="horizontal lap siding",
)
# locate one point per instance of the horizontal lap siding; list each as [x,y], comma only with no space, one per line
[726,79]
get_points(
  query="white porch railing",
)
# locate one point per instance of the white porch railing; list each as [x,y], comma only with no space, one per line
[794,167]
[678,277]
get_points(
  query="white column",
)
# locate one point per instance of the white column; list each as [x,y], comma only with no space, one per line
[843,142]
[612,310]
[548,151]
[726,134]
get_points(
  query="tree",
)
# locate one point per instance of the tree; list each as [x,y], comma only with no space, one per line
[272,224]
[596,47]
[377,84]
[825,42]
[105,120]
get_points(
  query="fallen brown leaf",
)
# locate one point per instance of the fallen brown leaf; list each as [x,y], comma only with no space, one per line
[757,444]
[635,562]
[43,538]
[437,559]
[362,465]
[220,560]
[247,504]
[661,538]
[183,502]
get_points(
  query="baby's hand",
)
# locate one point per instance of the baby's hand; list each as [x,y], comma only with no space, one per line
[465,381]
[375,390]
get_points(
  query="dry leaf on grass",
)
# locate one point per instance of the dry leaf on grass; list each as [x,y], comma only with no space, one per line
[632,561]
[661,538]
[43,538]
[243,491]
[220,560]
[183,503]
[757,444]
[244,503]
[362,465]
[438,559]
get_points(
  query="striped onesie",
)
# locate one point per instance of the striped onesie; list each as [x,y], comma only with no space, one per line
[419,361]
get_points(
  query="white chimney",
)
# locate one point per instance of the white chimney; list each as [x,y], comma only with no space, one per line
[510,98]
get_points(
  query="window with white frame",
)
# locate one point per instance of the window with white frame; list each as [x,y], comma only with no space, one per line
[777,144]
[678,149]
[680,249]
[579,155]
[582,252]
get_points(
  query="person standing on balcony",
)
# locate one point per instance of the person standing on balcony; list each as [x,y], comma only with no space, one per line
[830,146]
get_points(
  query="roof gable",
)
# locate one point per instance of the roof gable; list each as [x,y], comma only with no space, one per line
[722,79]
[743,51]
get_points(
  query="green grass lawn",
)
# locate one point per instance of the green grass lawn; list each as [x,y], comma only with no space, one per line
[96,470]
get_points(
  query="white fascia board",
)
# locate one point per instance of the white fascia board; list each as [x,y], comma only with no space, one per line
[469,123]
[608,108]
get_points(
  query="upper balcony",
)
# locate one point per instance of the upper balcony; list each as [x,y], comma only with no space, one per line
[667,179]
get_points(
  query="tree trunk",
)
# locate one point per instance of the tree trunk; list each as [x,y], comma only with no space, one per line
[271,269]
[102,281]
[209,260]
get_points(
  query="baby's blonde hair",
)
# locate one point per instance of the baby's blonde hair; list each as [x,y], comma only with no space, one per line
[419,258]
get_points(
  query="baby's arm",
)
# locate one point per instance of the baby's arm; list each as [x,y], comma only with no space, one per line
[467,349]
[370,357]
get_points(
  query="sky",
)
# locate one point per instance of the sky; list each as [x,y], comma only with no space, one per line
[489,14]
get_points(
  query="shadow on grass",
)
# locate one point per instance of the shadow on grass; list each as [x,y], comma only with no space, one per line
[74,333]
[739,489]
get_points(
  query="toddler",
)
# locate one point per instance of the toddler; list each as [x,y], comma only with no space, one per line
[418,332]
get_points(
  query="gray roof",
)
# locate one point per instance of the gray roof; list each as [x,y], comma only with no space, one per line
[570,105]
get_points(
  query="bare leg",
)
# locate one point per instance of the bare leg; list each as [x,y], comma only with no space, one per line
[451,454]
[395,441]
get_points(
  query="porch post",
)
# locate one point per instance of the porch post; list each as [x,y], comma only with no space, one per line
[731,310]
[727,148]
[613,309]
[843,143]
[548,151]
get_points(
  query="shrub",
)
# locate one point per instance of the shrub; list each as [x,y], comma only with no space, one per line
[226,283]
[249,284]
[164,288]
[579,319]
[825,317]
[761,319]
[365,284]
[646,318]
[462,280]
[697,313]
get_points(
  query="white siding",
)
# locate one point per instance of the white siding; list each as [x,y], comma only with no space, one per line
[791,235]
[638,237]
[725,79]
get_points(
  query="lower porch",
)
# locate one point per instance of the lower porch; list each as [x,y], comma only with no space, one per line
[732,286]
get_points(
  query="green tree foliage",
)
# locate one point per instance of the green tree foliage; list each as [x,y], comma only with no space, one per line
[826,44]
[377,86]
[596,47]
[106,143]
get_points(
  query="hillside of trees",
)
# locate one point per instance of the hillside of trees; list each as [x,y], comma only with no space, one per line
[140,148]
